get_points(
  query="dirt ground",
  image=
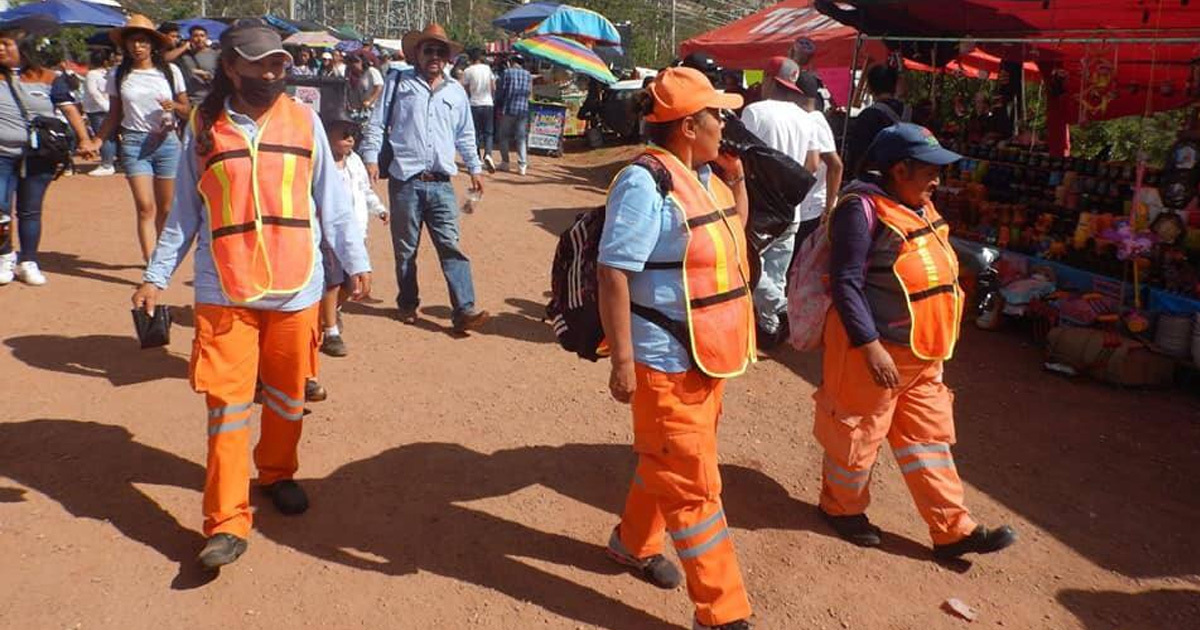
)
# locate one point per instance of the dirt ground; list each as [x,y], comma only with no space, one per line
[471,483]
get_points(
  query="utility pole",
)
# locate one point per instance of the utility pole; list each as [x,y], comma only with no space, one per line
[674,42]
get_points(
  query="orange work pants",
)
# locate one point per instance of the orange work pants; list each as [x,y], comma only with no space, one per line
[234,348]
[854,415]
[676,489]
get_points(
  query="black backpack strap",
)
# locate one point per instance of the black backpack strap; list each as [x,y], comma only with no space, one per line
[677,329]
[391,107]
[662,177]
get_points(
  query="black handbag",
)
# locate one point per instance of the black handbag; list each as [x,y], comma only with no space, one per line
[49,137]
[153,331]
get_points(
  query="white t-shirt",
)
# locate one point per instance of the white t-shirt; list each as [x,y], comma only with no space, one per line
[95,91]
[783,126]
[371,77]
[142,93]
[814,204]
[366,202]
[478,80]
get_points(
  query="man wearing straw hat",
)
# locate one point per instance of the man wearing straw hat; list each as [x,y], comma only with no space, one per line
[421,121]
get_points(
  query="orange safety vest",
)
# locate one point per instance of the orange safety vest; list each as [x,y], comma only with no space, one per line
[258,195]
[720,314]
[924,263]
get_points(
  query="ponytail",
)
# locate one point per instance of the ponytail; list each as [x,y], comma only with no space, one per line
[210,108]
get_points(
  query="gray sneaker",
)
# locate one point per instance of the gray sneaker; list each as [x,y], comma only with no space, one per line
[655,569]
[334,346]
[220,550]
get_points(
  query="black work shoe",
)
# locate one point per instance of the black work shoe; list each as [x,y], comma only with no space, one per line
[333,346]
[288,497]
[471,321]
[220,550]
[655,569]
[856,529]
[313,392]
[407,315]
[740,624]
[982,540]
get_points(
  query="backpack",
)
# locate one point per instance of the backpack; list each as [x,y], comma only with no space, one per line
[574,307]
[809,297]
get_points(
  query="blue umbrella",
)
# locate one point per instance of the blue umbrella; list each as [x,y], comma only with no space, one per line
[67,13]
[581,24]
[526,16]
[213,27]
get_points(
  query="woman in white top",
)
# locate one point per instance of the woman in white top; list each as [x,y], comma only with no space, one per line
[95,105]
[146,94]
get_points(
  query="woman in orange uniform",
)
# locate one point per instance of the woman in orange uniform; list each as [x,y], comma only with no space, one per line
[258,189]
[679,321]
[897,310]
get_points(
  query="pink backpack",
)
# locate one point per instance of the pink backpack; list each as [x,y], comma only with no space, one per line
[809,296]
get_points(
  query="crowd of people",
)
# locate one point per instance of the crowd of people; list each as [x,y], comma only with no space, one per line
[277,199]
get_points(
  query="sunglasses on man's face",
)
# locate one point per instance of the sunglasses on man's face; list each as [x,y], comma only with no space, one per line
[436,51]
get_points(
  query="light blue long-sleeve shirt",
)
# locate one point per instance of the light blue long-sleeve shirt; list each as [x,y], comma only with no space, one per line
[427,126]
[188,221]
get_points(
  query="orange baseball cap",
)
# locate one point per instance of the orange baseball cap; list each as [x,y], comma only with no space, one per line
[679,92]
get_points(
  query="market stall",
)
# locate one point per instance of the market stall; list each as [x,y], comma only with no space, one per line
[1108,246]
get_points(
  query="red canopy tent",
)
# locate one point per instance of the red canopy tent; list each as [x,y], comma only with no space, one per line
[1102,58]
[750,41]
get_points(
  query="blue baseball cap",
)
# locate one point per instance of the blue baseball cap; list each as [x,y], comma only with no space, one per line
[906,141]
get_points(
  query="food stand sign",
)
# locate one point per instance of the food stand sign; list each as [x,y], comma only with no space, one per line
[546,124]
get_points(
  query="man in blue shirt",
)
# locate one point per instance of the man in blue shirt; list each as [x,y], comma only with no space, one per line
[424,118]
[512,101]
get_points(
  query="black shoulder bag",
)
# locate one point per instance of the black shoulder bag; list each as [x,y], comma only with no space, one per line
[49,137]
[385,150]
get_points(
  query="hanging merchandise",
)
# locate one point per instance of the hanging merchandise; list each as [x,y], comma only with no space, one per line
[1098,78]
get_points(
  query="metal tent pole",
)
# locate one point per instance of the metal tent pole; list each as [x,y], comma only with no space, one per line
[858,43]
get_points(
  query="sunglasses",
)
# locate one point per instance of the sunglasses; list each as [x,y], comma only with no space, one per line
[438,51]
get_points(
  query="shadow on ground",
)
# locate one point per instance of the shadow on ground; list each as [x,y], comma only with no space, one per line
[1149,610]
[118,359]
[414,522]
[71,265]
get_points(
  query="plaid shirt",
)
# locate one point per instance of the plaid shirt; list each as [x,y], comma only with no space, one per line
[513,90]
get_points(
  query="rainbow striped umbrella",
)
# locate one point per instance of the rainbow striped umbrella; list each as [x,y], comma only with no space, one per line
[569,53]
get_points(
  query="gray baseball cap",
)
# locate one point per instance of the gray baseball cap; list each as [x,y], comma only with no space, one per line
[253,41]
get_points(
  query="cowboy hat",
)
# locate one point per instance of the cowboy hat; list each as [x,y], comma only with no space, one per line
[413,39]
[140,24]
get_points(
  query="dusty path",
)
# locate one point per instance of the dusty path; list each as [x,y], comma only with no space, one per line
[461,483]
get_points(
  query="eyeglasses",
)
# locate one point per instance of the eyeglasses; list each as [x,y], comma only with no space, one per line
[436,51]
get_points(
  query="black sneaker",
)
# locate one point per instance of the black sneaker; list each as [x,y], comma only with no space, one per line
[855,529]
[740,624]
[220,550]
[288,497]
[313,392]
[407,315]
[333,346]
[982,540]
[655,569]
[471,321]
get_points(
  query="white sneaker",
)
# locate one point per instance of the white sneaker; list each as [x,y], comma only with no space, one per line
[102,171]
[505,166]
[489,164]
[521,169]
[29,273]
[7,263]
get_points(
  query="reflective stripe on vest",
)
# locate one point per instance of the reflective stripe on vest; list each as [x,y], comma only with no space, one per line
[720,315]
[258,195]
[927,270]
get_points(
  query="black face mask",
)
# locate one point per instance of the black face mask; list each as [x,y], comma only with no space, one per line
[260,92]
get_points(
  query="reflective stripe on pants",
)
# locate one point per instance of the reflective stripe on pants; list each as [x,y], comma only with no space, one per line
[234,347]
[677,489]
[854,416]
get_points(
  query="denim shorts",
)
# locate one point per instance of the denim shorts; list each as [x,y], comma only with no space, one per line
[144,153]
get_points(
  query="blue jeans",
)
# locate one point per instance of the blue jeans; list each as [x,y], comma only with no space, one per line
[30,190]
[485,126]
[769,298]
[415,203]
[149,154]
[108,149]
[514,128]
